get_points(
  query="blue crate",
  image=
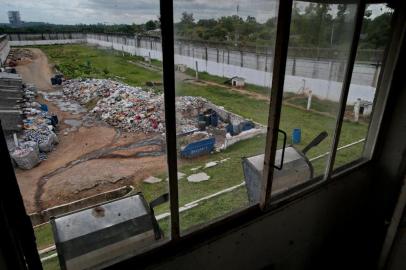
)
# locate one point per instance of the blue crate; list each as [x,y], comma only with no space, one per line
[198,148]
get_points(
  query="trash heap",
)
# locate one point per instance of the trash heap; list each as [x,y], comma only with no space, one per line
[38,137]
[131,108]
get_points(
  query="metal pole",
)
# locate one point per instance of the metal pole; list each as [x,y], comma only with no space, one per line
[346,87]
[168,63]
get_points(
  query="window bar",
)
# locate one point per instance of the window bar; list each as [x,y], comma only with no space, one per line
[168,62]
[346,86]
[278,79]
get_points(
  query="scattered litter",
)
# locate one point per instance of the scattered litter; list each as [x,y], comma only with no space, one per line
[152,180]
[198,177]
[211,164]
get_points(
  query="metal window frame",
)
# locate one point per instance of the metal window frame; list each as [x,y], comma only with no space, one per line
[359,18]
[278,78]
[278,81]
[168,63]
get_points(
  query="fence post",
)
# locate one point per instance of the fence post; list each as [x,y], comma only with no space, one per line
[294,66]
[242,59]
[197,71]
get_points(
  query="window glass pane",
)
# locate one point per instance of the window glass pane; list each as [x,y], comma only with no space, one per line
[367,69]
[319,45]
[223,57]
[109,139]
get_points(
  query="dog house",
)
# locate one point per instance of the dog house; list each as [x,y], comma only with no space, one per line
[237,82]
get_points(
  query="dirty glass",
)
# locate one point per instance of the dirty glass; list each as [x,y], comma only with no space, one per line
[223,58]
[361,98]
[319,44]
[83,114]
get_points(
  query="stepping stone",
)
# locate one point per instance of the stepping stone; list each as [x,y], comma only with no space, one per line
[224,160]
[211,164]
[152,180]
[198,177]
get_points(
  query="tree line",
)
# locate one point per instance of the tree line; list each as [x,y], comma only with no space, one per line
[314,27]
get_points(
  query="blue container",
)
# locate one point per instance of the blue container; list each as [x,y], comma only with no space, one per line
[296,136]
[44,107]
[199,148]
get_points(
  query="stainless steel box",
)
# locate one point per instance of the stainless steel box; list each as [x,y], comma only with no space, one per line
[96,236]
[296,169]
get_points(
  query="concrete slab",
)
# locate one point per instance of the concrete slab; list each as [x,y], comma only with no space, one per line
[211,164]
[198,177]
[195,168]
[152,180]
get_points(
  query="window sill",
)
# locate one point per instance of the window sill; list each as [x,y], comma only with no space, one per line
[200,235]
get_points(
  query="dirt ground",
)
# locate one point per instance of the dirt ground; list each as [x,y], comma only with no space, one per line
[89,158]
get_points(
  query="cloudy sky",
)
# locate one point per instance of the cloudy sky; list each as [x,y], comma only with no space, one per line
[130,11]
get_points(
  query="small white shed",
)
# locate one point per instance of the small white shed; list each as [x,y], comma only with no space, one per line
[238,82]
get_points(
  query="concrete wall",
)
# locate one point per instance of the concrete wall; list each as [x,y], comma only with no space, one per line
[323,77]
[4,49]
[327,88]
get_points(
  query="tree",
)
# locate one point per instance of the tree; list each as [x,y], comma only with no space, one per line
[150,25]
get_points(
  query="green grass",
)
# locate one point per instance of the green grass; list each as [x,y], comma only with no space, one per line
[228,173]
[44,236]
[220,80]
[76,61]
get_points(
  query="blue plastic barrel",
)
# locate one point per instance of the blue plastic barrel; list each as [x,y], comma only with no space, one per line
[296,136]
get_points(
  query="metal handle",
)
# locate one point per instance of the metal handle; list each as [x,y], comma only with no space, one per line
[283,150]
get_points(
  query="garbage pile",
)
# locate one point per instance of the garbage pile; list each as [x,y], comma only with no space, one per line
[131,108]
[38,137]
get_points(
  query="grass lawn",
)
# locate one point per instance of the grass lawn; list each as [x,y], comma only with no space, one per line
[218,79]
[84,61]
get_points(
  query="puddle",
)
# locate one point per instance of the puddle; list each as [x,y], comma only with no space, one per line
[62,102]
[73,122]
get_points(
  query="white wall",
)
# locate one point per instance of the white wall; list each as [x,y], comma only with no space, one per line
[322,88]
[18,43]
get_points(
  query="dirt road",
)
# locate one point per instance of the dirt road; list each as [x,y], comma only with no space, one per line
[89,158]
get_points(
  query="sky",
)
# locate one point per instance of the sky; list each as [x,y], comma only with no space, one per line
[135,11]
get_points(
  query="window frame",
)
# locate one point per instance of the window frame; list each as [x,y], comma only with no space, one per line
[267,201]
